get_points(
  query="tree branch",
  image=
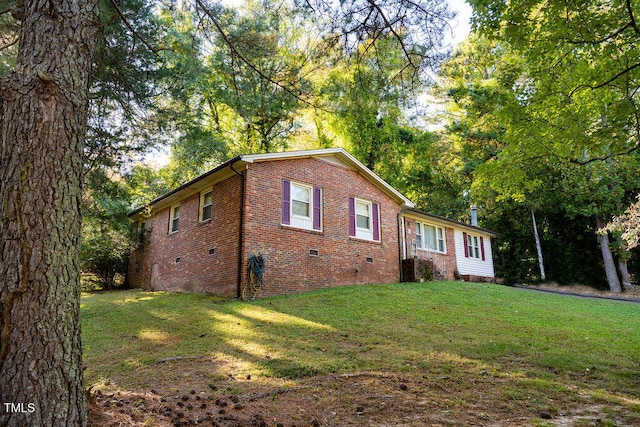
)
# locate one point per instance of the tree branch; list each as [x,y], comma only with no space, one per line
[603,39]
[11,43]
[603,158]
[127,24]
[634,24]
[231,46]
[605,83]
[393,31]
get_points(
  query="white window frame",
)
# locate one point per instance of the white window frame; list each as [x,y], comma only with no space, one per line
[361,232]
[369,217]
[203,196]
[305,222]
[172,218]
[473,246]
[440,237]
[309,202]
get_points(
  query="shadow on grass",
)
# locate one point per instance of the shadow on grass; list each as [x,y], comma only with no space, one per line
[545,344]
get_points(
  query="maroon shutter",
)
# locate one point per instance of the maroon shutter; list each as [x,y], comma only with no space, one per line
[375,212]
[286,202]
[317,208]
[352,216]
[466,246]
[482,247]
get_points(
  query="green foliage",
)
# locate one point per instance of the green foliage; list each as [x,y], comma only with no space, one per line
[257,72]
[121,121]
[573,102]
[569,245]
[528,134]
[106,230]
[9,28]
[368,105]
[233,87]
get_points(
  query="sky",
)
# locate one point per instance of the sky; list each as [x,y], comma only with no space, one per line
[461,24]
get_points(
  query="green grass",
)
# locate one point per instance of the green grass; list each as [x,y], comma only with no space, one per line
[547,343]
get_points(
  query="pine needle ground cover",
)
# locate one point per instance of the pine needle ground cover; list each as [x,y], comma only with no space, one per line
[444,353]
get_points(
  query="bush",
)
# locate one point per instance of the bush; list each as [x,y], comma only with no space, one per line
[105,251]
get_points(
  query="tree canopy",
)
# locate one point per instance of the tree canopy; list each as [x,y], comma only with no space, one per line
[547,108]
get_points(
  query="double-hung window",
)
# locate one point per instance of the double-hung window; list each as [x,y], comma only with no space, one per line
[301,201]
[363,216]
[174,218]
[301,205]
[364,219]
[206,203]
[473,246]
[430,237]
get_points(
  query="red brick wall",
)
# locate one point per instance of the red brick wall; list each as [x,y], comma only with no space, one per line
[341,259]
[197,270]
[443,261]
[289,268]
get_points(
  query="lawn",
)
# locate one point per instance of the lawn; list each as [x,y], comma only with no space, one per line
[470,353]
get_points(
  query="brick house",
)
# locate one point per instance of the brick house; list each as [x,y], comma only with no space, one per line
[319,218]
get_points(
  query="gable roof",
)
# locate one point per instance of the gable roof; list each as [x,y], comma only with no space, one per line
[232,166]
[345,158]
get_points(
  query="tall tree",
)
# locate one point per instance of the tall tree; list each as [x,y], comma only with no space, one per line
[517,141]
[44,102]
[44,117]
[258,72]
[575,97]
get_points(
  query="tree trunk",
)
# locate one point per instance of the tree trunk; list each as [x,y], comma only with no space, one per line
[607,257]
[543,276]
[624,273]
[623,258]
[43,128]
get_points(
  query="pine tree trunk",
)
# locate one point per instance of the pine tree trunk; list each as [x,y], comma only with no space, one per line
[43,126]
[607,257]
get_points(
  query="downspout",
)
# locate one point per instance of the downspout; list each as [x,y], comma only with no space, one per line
[401,245]
[240,231]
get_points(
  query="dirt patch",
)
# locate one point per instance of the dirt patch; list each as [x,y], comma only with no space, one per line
[631,294]
[359,399]
[200,391]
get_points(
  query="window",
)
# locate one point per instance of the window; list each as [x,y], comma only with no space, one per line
[473,246]
[364,219]
[206,202]
[174,219]
[430,237]
[301,205]
[301,200]
[363,215]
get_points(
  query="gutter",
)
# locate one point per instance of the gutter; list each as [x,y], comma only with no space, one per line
[401,247]
[450,221]
[185,185]
[240,231]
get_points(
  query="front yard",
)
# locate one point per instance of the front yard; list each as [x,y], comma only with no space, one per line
[444,353]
